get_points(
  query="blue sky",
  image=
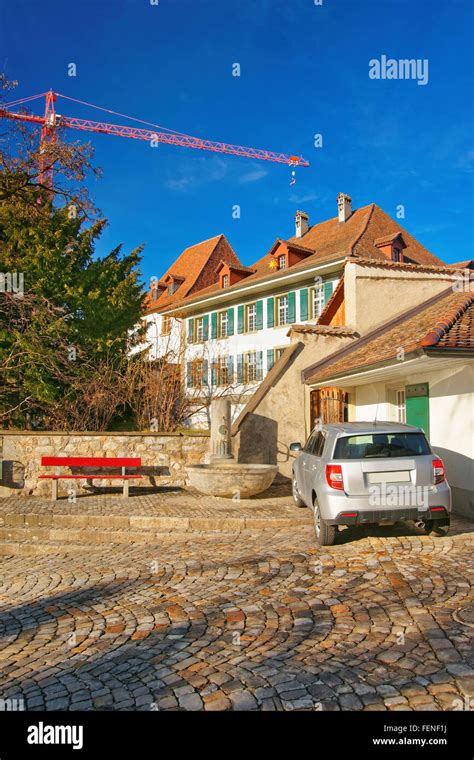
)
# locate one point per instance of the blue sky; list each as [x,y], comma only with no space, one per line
[304,71]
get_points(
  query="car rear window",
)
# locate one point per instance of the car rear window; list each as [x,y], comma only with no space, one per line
[373,445]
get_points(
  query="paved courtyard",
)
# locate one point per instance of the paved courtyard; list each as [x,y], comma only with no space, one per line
[240,618]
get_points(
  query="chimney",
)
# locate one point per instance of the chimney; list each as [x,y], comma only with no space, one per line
[302,223]
[344,207]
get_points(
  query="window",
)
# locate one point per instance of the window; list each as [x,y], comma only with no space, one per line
[282,261]
[197,373]
[250,367]
[282,310]
[381,446]
[401,413]
[225,280]
[315,444]
[319,445]
[166,325]
[222,372]
[251,317]
[310,443]
[172,287]
[277,352]
[222,321]
[199,329]
[316,301]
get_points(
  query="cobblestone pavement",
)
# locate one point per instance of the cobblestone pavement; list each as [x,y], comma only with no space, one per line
[262,619]
[168,501]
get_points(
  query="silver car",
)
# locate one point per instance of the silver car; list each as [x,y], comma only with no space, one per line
[360,473]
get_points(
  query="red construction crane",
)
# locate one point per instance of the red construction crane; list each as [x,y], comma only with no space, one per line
[51,120]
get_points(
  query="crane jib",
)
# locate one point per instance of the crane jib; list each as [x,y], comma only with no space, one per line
[52,120]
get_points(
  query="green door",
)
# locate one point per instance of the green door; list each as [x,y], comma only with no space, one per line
[417,403]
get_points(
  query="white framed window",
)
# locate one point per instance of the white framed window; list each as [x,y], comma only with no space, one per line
[282,310]
[222,371]
[199,329]
[400,405]
[225,280]
[197,373]
[251,317]
[282,261]
[166,325]
[316,301]
[222,322]
[250,367]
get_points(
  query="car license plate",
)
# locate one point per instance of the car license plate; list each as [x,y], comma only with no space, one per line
[402,476]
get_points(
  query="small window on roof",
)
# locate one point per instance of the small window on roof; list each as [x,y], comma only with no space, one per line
[225,280]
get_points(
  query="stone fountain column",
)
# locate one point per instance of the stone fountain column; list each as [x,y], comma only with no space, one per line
[221,442]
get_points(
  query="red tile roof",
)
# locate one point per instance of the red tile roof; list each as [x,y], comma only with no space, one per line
[328,241]
[469,264]
[445,321]
[190,266]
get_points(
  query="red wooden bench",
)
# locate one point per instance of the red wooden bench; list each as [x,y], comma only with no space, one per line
[77,462]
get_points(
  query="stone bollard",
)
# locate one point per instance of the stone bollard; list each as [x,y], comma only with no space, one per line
[221,443]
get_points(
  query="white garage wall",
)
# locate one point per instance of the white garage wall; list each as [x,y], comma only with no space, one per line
[451,405]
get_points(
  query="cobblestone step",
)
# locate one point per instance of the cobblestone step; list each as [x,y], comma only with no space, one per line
[23,544]
[133,523]
[153,530]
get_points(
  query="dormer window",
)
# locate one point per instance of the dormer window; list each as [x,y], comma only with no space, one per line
[282,261]
[392,246]
[174,281]
[225,280]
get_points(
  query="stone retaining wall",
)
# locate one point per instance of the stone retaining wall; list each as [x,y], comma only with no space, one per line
[162,454]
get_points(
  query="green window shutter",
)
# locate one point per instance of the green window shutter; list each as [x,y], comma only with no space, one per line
[230,368]
[213,375]
[205,378]
[292,307]
[327,291]
[240,368]
[191,330]
[205,327]
[270,312]
[230,321]
[259,365]
[270,359]
[189,374]
[259,315]
[214,324]
[240,319]
[304,304]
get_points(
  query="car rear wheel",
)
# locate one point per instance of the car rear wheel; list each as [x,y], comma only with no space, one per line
[296,494]
[435,528]
[325,534]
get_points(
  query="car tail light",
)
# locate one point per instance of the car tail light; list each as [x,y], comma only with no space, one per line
[334,476]
[438,471]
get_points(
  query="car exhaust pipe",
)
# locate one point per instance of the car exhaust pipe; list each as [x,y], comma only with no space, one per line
[420,524]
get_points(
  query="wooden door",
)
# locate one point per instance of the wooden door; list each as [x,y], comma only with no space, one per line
[328,405]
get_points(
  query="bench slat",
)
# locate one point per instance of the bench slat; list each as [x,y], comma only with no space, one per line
[89,477]
[91,461]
